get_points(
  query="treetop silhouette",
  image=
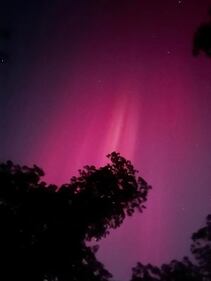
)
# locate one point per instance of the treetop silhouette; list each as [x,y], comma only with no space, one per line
[44,227]
[202,39]
[185,270]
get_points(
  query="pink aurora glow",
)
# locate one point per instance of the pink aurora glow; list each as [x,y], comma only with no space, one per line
[119,77]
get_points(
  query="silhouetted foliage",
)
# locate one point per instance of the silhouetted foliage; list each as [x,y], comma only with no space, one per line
[184,270]
[174,271]
[44,228]
[201,248]
[202,39]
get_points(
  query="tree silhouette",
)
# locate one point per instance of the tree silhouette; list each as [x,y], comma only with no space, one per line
[44,228]
[201,248]
[184,270]
[202,39]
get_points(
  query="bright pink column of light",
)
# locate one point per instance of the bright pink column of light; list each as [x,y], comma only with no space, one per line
[84,132]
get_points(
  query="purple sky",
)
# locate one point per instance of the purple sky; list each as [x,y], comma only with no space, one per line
[85,78]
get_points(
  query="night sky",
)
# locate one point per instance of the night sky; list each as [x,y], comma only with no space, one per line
[83,78]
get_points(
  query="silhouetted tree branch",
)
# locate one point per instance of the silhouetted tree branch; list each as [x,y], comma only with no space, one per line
[201,248]
[44,227]
[202,39]
[184,270]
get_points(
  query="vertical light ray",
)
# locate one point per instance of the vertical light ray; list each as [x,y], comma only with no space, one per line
[123,128]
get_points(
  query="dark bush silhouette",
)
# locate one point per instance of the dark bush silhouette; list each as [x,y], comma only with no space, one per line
[44,227]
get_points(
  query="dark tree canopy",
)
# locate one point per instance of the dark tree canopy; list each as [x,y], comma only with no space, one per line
[201,248]
[185,270]
[44,227]
[202,39]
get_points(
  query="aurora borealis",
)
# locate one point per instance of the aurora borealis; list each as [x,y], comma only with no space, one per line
[85,78]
